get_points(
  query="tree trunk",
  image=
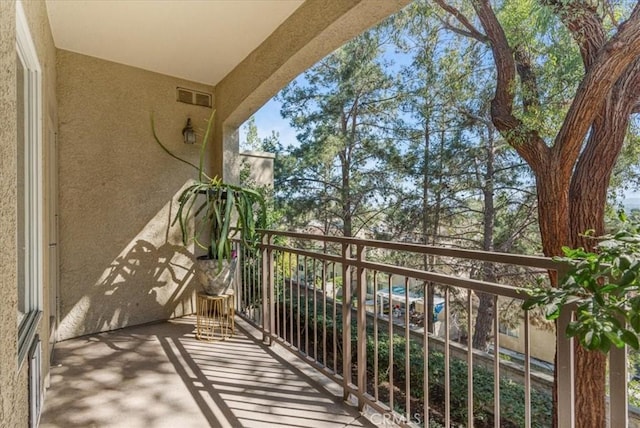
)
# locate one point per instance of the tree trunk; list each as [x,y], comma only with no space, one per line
[483,326]
[588,197]
[553,209]
[345,171]
[427,258]
[435,227]
[553,219]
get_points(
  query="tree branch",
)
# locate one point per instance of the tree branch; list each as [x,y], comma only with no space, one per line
[612,61]
[585,25]
[446,24]
[530,93]
[526,141]
[471,30]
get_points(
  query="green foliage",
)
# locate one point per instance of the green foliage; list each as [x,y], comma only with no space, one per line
[626,175]
[210,203]
[511,392]
[336,178]
[252,141]
[534,31]
[602,286]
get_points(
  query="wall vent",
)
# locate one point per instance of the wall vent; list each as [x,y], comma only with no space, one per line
[35,383]
[190,96]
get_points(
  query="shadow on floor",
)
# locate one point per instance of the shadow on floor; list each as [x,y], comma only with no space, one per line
[159,375]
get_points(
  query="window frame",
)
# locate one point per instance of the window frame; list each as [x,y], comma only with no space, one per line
[33,181]
[509,331]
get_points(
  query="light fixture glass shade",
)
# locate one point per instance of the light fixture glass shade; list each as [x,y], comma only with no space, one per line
[188,133]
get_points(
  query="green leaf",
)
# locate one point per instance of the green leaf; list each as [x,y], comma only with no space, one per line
[622,216]
[591,341]
[226,216]
[634,321]
[624,261]
[588,338]
[201,174]
[614,339]
[552,311]
[213,216]
[532,302]
[605,344]
[627,278]
[608,288]
[630,339]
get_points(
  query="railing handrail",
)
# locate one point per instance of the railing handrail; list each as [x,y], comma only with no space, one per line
[446,279]
[540,262]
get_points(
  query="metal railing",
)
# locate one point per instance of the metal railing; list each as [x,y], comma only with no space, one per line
[375,327]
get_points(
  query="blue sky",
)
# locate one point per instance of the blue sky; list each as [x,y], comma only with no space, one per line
[268,119]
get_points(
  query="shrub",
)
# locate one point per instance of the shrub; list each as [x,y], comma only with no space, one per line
[511,393]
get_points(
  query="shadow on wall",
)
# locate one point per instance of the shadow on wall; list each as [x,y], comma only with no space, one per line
[146,283]
[150,280]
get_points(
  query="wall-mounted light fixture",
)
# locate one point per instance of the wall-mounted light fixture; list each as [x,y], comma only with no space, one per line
[188,133]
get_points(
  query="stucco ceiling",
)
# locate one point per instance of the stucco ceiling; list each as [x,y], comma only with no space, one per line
[199,40]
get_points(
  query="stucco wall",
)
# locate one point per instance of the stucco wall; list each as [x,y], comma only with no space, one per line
[9,392]
[14,389]
[120,261]
[542,342]
[260,167]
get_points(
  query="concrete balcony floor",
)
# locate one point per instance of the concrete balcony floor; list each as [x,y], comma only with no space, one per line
[159,375]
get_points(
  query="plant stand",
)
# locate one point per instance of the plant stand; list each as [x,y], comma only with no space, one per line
[214,317]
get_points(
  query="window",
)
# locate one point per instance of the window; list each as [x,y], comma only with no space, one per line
[511,331]
[29,185]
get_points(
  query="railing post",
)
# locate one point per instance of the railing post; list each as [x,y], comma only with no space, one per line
[565,371]
[346,321]
[238,291]
[618,393]
[266,289]
[271,290]
[361,295]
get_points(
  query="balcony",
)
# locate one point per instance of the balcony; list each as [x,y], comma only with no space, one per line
[159,375]
[374,348]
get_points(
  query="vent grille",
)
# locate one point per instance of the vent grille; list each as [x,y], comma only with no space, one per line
[185,96]
[203,100]
[190,96]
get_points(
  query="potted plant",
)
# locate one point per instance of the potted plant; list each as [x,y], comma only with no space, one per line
[220,211]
